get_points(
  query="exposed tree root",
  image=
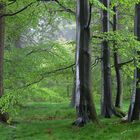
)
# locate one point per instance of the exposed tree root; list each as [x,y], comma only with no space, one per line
[125,119]
[118,112]
[80,122]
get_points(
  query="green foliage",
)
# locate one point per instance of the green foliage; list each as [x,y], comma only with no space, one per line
[36,65]
[45,94]
[36,72]
[29,64]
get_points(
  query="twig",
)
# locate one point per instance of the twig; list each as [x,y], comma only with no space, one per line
[12,2]
[96,62]
[65,8]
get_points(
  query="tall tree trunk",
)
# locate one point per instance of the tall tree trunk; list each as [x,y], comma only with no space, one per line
[106,105]
[2,26]
[3,116]
[118,100]
[83,99]
[134,110]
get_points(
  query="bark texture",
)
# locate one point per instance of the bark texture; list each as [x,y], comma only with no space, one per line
[134,110]
[118,100]
[106,104]
[83,99]
[3,116]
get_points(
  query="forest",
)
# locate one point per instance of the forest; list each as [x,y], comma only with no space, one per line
[69,69]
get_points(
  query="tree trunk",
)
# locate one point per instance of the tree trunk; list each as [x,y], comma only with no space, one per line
[134,110]
[118,100]
[106,104]
[83,99]
[3,116]
[2,26]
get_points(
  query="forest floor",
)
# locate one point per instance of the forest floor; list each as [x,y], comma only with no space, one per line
[52,121]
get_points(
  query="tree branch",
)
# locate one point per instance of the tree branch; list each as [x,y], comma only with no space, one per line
[96,62]
[90,15]
[58,70]
[12,2]
[43,76]
[125,63]
[61,5]
[19,11]
[120,65]
[36,51]
[65,8]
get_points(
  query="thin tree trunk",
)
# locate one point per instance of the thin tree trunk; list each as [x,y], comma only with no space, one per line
[118,100]
[106,106]
[134,110]
[2,27]
[83,99]
[3,116]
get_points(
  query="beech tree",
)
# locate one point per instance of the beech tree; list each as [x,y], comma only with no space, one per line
[106,104]
[3,116]
[2,26]
[83,98]
[116,58]
[134,111]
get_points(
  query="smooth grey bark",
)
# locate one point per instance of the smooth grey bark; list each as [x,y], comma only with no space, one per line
[106,102]
[83,98]
[118,100]
[134,110]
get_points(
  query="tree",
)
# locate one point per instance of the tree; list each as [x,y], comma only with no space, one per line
[2,26]
[3,116]
[83,99]
[116,58]
[106,105]
[134,111]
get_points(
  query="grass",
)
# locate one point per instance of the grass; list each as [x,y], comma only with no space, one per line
[52,121]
